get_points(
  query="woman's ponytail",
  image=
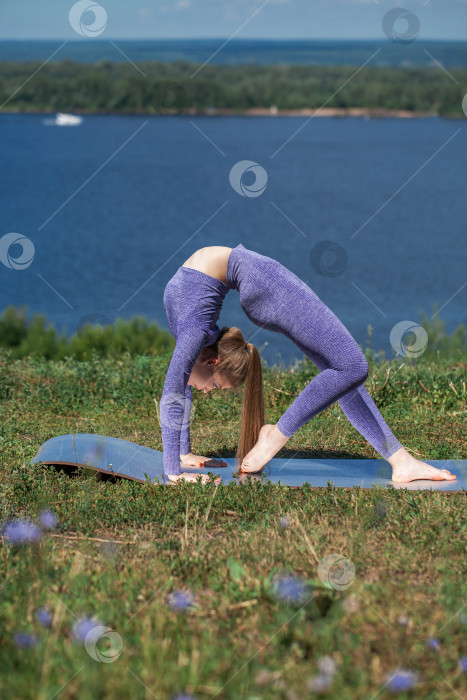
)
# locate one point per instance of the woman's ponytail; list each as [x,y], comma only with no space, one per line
[241,362]
[252,413]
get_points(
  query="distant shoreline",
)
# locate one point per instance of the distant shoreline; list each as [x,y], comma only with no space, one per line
[262,112]
[319,112]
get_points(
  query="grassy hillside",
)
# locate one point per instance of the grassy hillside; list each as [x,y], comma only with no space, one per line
[228,592]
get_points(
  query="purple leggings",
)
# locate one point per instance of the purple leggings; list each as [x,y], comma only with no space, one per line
[273,297]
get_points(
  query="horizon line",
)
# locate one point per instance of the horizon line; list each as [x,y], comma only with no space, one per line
[214,38]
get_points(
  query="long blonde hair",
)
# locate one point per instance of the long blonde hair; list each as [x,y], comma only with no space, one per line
[241,363]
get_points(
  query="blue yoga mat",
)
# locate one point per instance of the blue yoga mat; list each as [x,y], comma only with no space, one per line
[128,460]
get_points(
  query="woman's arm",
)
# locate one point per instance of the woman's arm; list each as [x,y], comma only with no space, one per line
[185,440]
[175,419]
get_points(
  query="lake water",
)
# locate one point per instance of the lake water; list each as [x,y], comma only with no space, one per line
[240,51]
[115,205]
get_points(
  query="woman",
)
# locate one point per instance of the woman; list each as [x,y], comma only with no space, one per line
[208,357]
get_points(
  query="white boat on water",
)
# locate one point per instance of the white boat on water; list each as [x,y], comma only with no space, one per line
[62,119]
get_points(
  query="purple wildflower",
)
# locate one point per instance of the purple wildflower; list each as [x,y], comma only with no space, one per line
[433,643]
[320,683]
[180,600]
[184,697]
[44,617]
[22,639]
[21,532]
[463,664]
[351,604]
[401,679]
[327,666]
[83,626]
[290,589]
[284,522]
[47,519]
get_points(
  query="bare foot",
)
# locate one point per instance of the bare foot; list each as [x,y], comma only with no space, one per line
[406,468]
[186,476]
[269,442]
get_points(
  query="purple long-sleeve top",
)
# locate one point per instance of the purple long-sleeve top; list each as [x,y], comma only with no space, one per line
[193,301]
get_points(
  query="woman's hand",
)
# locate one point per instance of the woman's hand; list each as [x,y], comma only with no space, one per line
[191,460]
[186,476]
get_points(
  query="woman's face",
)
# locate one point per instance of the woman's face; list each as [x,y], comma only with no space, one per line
[204,376]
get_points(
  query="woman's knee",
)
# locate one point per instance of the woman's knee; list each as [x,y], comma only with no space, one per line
[355,367]
[355,370]
[359,369]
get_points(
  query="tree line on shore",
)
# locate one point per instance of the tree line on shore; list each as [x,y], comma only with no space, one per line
[178,87]
[23,336]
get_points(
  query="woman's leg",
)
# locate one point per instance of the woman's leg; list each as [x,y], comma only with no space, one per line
[356,404]
[315,329]
[360,409]
[324,339]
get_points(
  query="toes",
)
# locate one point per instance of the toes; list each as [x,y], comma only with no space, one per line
[449,474]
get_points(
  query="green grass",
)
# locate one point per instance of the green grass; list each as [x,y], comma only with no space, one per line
[225,544]
[34,335]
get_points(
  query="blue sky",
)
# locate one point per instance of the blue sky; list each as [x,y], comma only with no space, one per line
[285,19]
